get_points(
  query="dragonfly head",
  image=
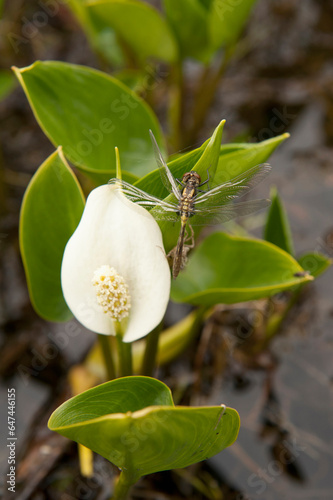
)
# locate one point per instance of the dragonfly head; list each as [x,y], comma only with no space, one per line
[191,178]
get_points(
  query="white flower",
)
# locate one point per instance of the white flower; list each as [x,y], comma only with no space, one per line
[114,267]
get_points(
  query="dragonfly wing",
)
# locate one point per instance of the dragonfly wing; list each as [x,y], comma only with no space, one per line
[237,187]
[219,215]
[160,213]
[142,198]
[166,175]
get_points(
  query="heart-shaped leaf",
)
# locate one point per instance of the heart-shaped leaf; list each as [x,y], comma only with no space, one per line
[90,113]
[227,269]
[277,229]
[133,422]
[139,25]
[52,207]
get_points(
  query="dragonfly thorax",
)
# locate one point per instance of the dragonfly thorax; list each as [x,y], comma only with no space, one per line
[191,178]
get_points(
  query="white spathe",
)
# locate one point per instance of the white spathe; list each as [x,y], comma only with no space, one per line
[116,232]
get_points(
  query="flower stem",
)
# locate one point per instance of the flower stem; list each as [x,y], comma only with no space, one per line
[149,358]
[107,356]
[122,487]
[124,354]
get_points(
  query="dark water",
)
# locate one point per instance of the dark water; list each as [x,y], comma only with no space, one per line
[301,384]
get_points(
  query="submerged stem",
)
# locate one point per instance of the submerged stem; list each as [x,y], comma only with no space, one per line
[107,356]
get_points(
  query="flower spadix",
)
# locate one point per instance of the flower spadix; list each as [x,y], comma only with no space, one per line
[114,267]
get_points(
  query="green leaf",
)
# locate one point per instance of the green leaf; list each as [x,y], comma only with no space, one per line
[244,156]
[209,159]
[206,3]
[106,42]
[277,229]
[232,147]
[231,269]
[315,263]
[90,113]
[52,207]
[139,25]
[188,20]
[133,422]
[226,21]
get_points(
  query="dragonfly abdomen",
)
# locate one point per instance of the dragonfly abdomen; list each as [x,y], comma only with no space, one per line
[186,209]
[178,257]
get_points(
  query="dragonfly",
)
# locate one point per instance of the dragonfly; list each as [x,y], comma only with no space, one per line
[191,203]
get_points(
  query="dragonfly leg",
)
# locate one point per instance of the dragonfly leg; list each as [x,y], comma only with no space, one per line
[189,239]
[205,182]
[188,244]
[180,182]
